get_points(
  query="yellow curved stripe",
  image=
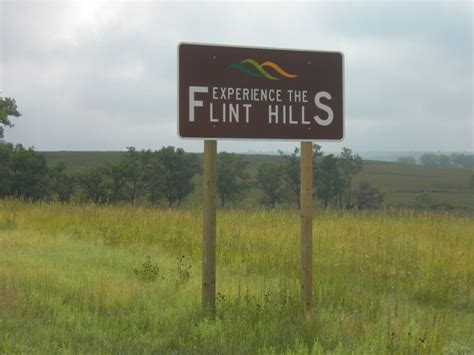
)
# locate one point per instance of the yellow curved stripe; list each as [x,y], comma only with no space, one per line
[259,68]
[278,69]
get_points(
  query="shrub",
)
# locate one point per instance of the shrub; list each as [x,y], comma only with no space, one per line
[368,197]
[148,271]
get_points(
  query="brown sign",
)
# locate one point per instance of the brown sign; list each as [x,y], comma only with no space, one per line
[259,93]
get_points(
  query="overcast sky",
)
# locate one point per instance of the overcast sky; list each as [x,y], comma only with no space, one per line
[102,75]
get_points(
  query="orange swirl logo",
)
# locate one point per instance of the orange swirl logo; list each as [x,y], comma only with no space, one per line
[250,67]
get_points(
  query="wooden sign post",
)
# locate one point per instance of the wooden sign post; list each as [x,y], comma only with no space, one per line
[227,92]
[306,217]
[209,227]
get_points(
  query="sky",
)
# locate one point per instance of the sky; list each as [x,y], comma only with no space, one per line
[102,75]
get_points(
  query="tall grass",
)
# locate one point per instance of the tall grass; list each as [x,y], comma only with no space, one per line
[389,281]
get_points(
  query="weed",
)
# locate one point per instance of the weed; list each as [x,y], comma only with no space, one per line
[183,269]
[148,271]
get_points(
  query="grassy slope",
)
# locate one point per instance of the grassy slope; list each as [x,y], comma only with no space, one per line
[384,282]
[400,183]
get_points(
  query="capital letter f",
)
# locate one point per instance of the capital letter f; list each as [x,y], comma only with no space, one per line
[195,103]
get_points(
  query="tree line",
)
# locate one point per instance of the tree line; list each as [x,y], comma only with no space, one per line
[168,176]
[146,175]
[459,160]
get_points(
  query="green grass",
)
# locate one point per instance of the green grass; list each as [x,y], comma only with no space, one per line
[384,282]
[401,183]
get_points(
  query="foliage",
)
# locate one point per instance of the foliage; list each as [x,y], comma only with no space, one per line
[153,176]
[178,170]
[29,173]
[94,186]
[61,184]
[331,183]
[462,160]
[270,180]
[148,271]
[6,171]
[291,176]
[139,177]
[332,176]
[232,178]
[118,175]
[23,172]
[350,165]
[8,108]
[134,163]
[443,160]
[318,156]
[368,197]
[427,201]
[400,183]
[183,270]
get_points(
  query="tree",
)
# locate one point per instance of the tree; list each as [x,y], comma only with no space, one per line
[368,197]
[444,160]
[406,159]
[135,163]
[291,168]
[24,174]
[118,175]
[29,174]
[462,160]
[291,175]
[318,156]
[270,180]
[232,179]
[8,108]
[61,184]
[179,169]
[154,177]
[331,183]
[350,165]
[93,183]
[429,159]
[6,172]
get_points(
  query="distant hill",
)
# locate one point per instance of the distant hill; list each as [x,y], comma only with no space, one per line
[80,160]
[376,155]
[401,183]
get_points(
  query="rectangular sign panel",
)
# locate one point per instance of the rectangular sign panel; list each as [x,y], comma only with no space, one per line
[259,93]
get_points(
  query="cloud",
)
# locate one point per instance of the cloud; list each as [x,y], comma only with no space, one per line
[102,75]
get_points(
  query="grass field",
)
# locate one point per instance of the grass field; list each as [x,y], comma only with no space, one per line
[400,183]
[76,279]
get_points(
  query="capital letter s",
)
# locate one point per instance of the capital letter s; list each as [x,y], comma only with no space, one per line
[317,102]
